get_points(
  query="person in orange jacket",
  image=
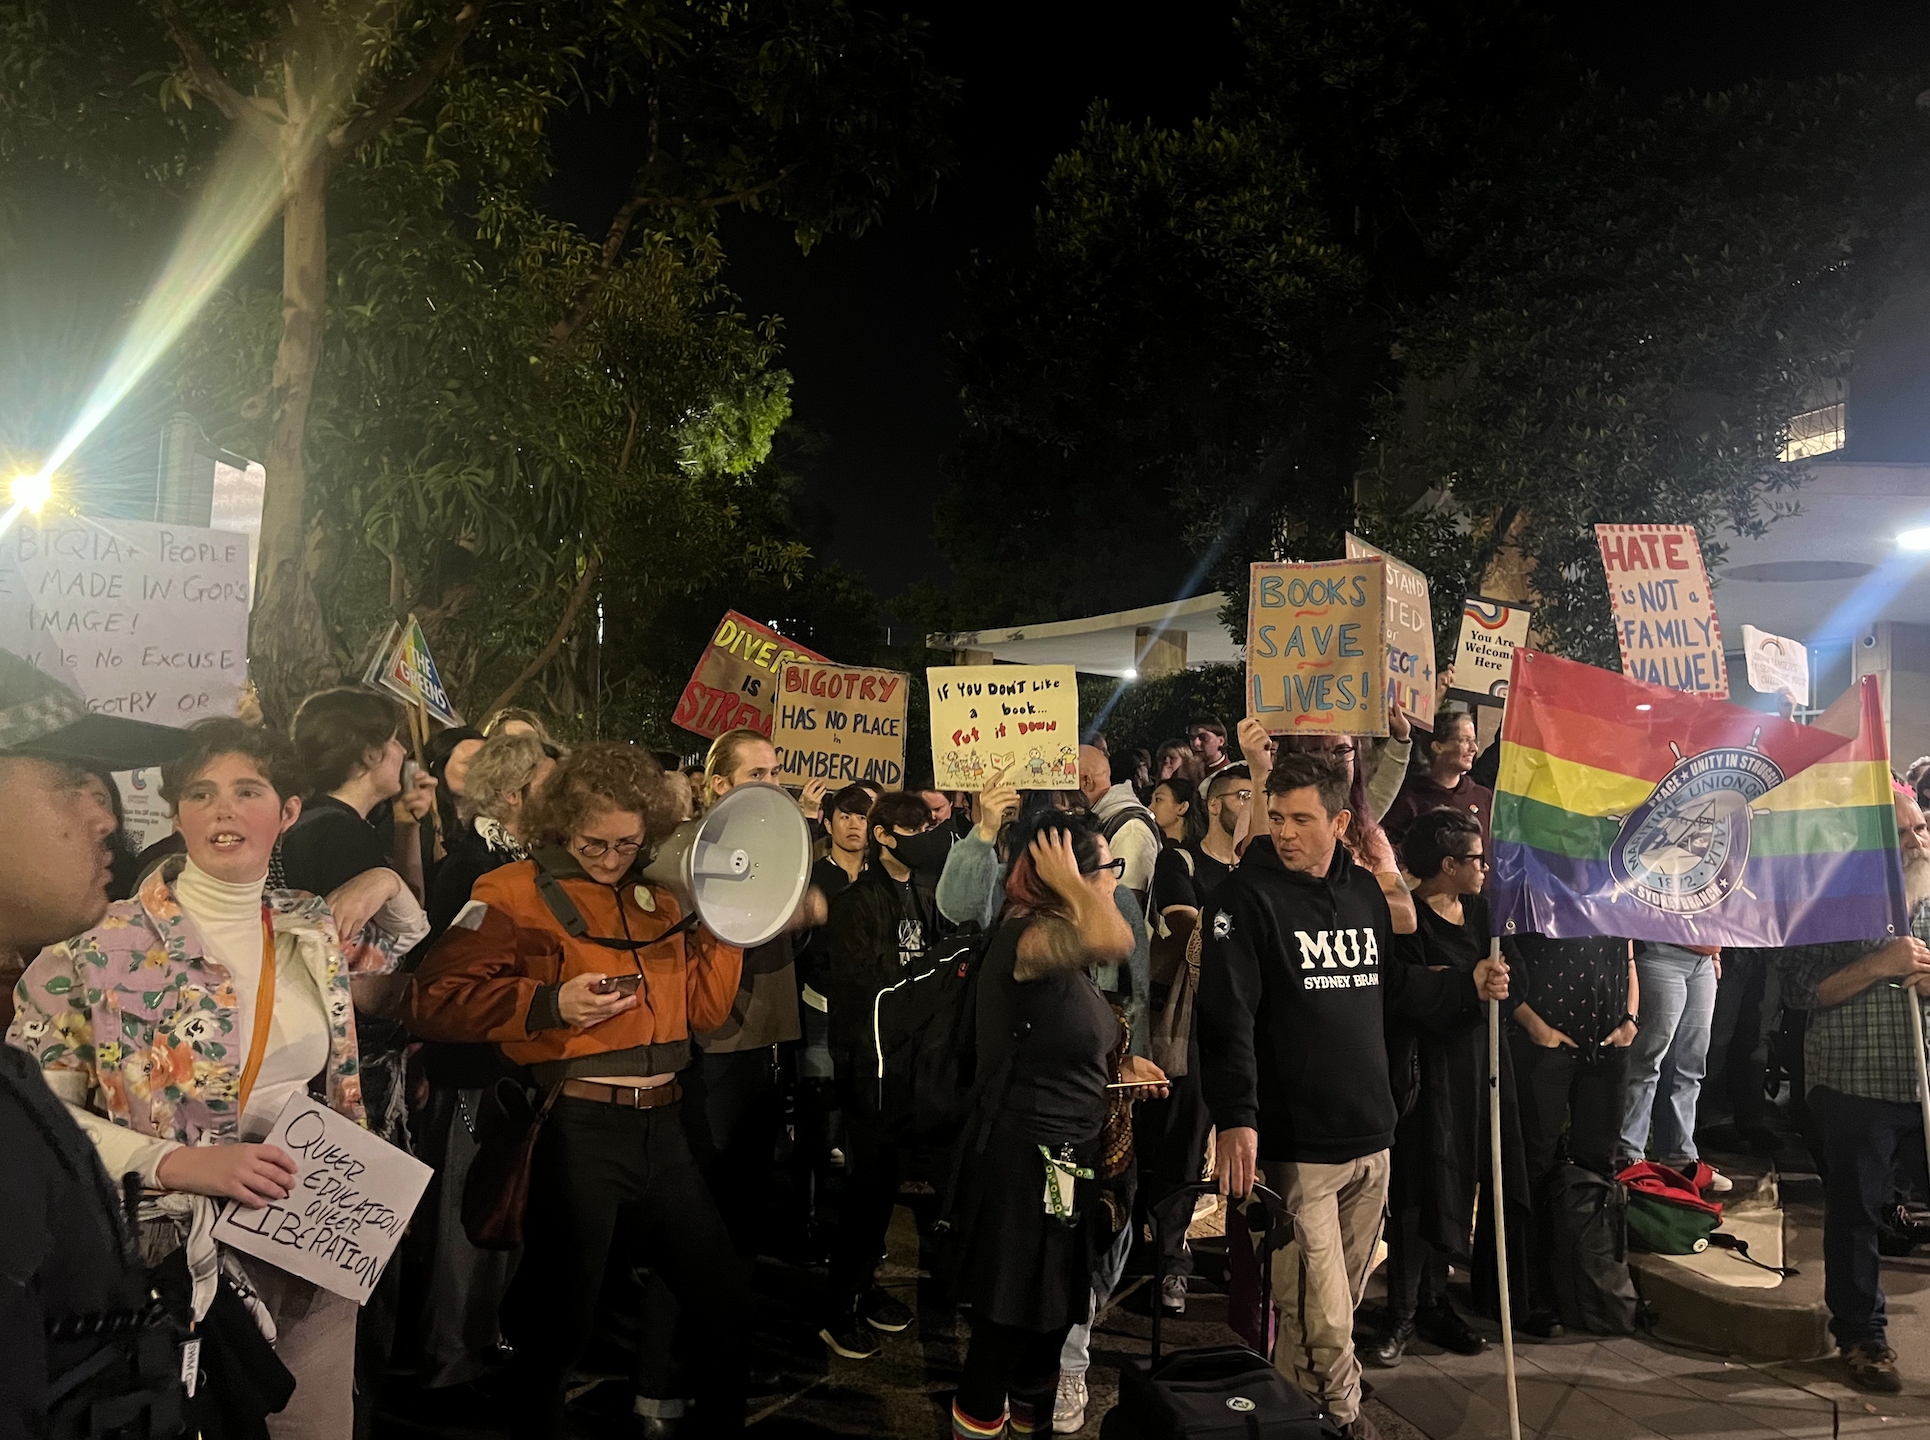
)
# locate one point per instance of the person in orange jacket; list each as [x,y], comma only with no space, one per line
[594,981]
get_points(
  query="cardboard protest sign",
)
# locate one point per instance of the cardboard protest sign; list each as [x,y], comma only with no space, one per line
[148,621]
[1776,666]
[352,1199]
[1410,634]
[1316,648]
[735,682]
[1490,631]
[841,723]
[1019,720]
[409,672]
[1665,617]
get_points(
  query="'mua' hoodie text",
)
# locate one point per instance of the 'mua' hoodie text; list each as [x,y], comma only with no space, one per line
[1294,973]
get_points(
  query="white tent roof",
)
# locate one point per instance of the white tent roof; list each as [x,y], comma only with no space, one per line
[1105,644]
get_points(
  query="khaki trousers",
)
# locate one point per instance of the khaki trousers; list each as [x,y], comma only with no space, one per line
[316,1341]
[1319,1277]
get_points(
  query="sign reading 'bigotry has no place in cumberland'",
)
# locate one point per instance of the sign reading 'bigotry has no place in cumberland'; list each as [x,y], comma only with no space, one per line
[841,723]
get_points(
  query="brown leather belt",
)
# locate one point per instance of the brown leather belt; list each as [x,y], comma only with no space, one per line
[630,1097]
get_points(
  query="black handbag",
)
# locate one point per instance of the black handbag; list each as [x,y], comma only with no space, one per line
[496,1193]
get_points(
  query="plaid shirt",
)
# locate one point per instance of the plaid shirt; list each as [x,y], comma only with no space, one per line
[1861,1047]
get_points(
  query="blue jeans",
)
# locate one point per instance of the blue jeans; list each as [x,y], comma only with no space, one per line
[1867,1142]
[1671,1049]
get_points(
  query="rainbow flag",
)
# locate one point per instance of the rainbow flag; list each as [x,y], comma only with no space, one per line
[1634,810]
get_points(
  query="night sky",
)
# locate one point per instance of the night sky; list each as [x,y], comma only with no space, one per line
[865,322]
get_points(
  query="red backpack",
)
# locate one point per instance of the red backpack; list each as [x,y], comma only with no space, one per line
[1666,1212]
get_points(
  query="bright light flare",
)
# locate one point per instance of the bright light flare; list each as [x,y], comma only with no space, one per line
[32,491]
[1918,539]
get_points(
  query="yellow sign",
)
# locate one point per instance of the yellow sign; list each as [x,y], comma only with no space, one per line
[840,723]
[1316,647]
[1019,720]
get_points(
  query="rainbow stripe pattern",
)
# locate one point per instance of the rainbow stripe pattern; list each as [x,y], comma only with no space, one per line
[1638,811]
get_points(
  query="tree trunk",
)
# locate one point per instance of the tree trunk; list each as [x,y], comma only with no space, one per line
[289,654]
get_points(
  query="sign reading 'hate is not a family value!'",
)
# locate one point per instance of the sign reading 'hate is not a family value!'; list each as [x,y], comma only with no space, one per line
[1019,721]
[735,683]
[841,724]
[148,621]
[353,1196]
[1665,617]
[1316,648]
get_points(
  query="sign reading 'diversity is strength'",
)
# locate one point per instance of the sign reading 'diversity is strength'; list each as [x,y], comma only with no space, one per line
[148,621]
[1021,721]
[1665,617]
[353,1196]
[735,682]
[841,723]
[1410,635]
[1316,649]
[1491,631]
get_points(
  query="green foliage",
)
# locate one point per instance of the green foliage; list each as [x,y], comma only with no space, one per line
[1146,713]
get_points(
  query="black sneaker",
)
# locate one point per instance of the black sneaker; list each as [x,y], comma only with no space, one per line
[1873,1368]
[1540,1325]
[1442,1325]
[1390,1345]
[883,1311]
[851,1339]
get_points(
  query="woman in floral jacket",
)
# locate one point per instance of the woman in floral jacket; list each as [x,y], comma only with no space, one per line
[178,1027]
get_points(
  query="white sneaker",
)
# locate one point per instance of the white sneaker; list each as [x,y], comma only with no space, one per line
[1719,1184]
[1172,1294]
[1069,1406]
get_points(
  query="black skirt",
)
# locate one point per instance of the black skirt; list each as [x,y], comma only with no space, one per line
[1014,1263]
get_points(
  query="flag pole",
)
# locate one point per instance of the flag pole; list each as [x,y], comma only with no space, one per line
[1915,1002]
[1501,1209]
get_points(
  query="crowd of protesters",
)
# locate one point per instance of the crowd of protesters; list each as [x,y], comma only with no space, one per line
[1265,962]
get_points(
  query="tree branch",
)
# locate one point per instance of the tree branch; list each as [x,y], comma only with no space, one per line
[205,76]
[407,89]
[590,290]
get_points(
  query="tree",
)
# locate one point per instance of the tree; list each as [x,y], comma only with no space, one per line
[1668,290]
[408,149]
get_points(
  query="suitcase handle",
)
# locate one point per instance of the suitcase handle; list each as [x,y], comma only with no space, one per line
[1160,1210]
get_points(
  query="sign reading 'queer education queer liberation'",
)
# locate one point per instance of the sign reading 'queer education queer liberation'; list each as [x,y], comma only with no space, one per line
[1410,635]
[840,723]
[149,621]
[1021,721]
[352,1198]
[1490,633]
[1316,649]
[735,682]
[1665,617]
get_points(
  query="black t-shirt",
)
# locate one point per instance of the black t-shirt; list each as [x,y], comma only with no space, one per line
[830,877]
[329,846]
[1580,987]
[913,927]
[1208,874]
[1174,880]
[1439,941]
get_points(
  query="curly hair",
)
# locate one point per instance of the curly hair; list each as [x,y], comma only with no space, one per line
[504,765]
[603,775]
[273,757]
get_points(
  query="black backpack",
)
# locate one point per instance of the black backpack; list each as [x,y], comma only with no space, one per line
[923,1047]
[1588,1252]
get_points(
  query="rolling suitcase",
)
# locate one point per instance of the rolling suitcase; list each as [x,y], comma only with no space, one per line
[1220,1392]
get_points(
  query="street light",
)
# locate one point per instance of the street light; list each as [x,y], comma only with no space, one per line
[1918,539]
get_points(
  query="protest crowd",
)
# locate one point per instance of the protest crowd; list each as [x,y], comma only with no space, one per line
[1048,998]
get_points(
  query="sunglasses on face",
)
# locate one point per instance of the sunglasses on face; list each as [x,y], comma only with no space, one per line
[1117,865]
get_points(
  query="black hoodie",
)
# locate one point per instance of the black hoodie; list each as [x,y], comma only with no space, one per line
[1294,974]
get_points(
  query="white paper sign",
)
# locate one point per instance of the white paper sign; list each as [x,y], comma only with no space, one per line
[354,1193]
[147,817]
[147,621]
[1776,666]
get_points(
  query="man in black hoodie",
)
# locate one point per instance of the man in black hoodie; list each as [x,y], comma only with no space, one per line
[1291,1000]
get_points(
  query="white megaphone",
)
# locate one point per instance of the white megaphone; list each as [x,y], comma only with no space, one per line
[742,866]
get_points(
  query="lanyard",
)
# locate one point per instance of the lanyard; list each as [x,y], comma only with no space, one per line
[264,1014]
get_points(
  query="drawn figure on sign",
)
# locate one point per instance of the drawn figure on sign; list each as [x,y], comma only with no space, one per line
[1036,763]
[1002,763]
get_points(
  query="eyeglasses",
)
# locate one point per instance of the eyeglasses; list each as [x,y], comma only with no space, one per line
[1117,865]
[1481,860]
[597,849]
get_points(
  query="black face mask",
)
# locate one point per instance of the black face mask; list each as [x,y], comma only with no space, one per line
[926,851]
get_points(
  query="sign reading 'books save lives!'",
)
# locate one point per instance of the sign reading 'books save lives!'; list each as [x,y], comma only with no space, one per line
[1316,647]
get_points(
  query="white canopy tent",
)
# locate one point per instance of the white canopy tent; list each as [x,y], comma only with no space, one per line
[1131,644]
